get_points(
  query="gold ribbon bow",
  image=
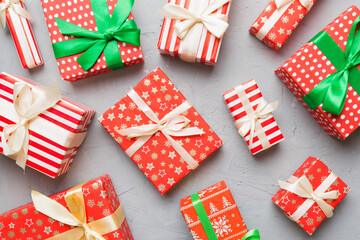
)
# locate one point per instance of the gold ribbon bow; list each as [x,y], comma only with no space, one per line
[214,22]
[305,3]
[29,104]
[76,217]
[16,7]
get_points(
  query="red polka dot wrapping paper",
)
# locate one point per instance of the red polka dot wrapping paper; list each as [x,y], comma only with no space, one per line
[316,171]
[157,159]
[309,66]
[222,211]
[26,223]
[80,12]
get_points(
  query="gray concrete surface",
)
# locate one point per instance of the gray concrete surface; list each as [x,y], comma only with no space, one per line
[253,180]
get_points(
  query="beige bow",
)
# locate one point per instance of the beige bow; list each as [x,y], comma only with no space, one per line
[306,3]
[214,22]
[16,7]
[29,104]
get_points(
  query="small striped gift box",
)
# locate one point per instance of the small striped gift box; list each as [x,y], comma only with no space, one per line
[66,122]
[253,116]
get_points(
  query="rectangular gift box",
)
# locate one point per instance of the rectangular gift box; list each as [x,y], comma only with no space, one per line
[81,14]
[207,45]
[45,154]
[220,208]
[239,113]
[322,179]
[24,38]
[100,198]
[159,157]
[275,25]
[309,66]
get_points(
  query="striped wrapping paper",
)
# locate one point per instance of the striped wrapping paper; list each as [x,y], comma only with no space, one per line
[24,39]
[44,154]
[271,129]
[208,47]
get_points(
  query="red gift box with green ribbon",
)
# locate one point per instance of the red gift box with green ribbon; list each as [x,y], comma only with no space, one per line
[324,75]
[92,37]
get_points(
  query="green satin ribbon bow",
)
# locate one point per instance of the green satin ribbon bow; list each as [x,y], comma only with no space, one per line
[252,235]
[332,91]
[110,30]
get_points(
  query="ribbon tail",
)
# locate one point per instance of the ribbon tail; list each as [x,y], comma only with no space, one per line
[21,11]
[215,25]
[326,208]
[3,18]
[112,56]
[21,156]
[71,47]
[129,33]
[182,28]
[252,235]
[90,56]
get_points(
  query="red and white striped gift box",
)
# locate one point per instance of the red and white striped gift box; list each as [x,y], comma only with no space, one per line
[24,38]
[269,125]
[45,153]
[208,46]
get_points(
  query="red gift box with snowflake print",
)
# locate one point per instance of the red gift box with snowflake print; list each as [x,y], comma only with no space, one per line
[100,201]
[279,19]
[218,209]
[320,191]
[160,130]
[310,66]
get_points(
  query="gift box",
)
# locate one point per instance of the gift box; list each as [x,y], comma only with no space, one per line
[279,19]
[17,19]
[38,126]
[160,131]
[324,78]
[103,214]
[92,37]
[310,195]
[212,214]
[253,116]
[193,30]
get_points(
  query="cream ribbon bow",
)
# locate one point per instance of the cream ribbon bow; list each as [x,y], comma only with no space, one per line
[306,3]
[171,125]
[29,104]
[214,22]
[16,7]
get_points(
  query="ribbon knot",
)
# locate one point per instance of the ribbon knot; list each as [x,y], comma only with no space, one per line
[109,35]
[16,7]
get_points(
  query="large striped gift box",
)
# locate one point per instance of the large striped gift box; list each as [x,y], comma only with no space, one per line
[208,46]
[268,124]
[67,118]
[24,38]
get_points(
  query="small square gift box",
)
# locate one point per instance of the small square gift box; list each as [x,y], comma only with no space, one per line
[160,131]
[13,13]
[39,127]
[253,116]
[193,29]
[310,195]
[213,214]
[279,19]
[87,211]
[92,37]
[324,75]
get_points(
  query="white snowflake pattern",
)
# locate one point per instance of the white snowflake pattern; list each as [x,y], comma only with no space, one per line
[195,235]
[285,19]
[221,226]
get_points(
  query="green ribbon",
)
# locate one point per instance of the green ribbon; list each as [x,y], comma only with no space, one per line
[110,30]
[252,235]
[332,91]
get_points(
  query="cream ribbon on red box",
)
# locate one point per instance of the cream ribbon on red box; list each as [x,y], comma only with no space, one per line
[15,6]
[171,125]
[303,188]
[282,6]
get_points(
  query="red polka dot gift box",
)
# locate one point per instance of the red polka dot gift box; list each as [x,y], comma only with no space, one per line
[324,73]
[311,194]
[90,209]
[92,37]
[160,130]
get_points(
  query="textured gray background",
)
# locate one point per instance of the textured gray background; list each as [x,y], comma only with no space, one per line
[252,180]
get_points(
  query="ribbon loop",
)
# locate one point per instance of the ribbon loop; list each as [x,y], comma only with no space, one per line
[16,7]
[252,235]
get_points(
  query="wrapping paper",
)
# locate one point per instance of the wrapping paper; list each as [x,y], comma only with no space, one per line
[280,23]
[271,129]
[316,171]
[24,39]
[80,12]
[309,66]
[45,154]
[208,45]
[101,200]
[157,158]
[222,211]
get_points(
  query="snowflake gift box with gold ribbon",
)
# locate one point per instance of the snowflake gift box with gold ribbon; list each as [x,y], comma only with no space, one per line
[279,19]
[310,195]
[160,130]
